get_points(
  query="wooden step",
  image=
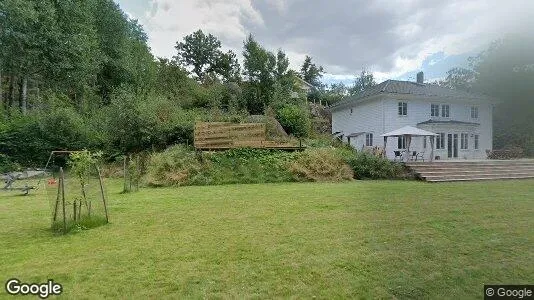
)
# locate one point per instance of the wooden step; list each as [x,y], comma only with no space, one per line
[473,170]
[475,178]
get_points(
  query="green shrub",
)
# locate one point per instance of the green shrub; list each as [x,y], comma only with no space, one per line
[24,142]
[321,164]
[174,166]
[295,120]
[368,166]
[246,166]
[7,165]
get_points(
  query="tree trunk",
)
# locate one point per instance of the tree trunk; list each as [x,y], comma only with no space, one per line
[1,90]
[23,100]
[11,95]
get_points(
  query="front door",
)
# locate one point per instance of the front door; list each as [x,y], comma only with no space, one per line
[452,145]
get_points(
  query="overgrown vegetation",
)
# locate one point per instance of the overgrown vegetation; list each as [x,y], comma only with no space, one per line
[368,166]
[83,77]
[179,165]
[322,164]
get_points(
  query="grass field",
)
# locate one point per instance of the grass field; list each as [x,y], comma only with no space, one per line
[367,239]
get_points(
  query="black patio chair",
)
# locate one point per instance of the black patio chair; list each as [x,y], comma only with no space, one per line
[397,154]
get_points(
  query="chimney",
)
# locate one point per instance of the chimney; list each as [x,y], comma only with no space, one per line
[420,77]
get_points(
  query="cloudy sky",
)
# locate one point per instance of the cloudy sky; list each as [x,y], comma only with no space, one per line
[392,38]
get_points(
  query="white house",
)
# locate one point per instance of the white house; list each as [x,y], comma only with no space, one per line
[461,120]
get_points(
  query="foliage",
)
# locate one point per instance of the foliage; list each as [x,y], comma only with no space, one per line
[364,81]
[203,53]
[7,165]
[83,163]
[368,166]
[181,166]
[175,166]
[310,72]
[295,119]
[321,164]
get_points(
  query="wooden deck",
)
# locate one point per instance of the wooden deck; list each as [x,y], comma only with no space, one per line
[225,135]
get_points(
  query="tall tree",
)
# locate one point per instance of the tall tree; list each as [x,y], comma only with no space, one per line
[282,64]
[311,72]
[259,67]
[200,51]
[227,66]
[362,82]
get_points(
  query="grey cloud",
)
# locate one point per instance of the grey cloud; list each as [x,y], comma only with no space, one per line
[346,35]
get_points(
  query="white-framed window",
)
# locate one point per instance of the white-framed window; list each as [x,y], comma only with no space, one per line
[440,141]
[434,110]
[401,142]
[368,139]
[424,142]
[477,141]
[474,112]
[445,111]
[464,141]
[403,109]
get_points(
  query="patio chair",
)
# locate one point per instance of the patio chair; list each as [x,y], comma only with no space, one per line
[421,156]
[397,154]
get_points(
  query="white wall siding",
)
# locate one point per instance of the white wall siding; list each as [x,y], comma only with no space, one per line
[366,117]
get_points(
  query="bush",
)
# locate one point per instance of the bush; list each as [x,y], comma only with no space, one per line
[368,166]
[295,120]
[246,166]
[174,166]
[321,164]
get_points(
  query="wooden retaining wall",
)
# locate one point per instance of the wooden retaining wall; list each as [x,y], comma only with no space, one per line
[225,135]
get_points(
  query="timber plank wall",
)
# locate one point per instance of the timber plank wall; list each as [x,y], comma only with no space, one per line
[226,135]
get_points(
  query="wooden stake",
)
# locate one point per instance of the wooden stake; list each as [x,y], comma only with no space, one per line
[63,199]
[84,198]
[102,193]
[124,172]
[57,199]
[137,173]
[74,210]
[129,174]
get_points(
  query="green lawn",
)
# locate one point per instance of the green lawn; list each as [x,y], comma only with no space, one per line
[370,239]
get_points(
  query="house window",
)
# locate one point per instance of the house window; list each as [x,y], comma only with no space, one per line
[368,139]
[424,142]
[440,141]
[464,141]
[401,142]
[445,110]
[474,112]
[477,137]
[403,109]
[351,111]
[434,110]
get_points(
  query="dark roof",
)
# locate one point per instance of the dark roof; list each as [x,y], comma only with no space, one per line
[355,134]
[429,122]
[410,88]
